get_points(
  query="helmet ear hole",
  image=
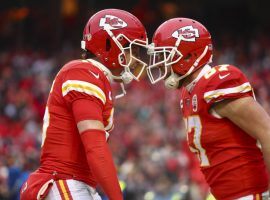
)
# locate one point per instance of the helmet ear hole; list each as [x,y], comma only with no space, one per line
[188,56]
[108,44]
[122,59]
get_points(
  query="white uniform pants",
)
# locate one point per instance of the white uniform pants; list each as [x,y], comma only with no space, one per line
[72,190]
[263,196]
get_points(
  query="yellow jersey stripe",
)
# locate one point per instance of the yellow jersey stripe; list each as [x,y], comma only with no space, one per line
[84,87]
[208,96]
[61,183]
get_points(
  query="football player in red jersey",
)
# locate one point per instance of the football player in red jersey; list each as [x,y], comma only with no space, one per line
[226,128]
[75,156]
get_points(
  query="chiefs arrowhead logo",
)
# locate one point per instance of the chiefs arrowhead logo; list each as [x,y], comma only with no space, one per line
[187,33]
[112,22]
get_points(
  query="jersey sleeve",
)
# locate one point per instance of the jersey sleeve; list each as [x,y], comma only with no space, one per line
[84,109]
[81,84]
[225,83]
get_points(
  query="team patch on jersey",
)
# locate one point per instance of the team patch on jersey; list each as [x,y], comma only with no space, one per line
[187,33]
[245,87]
[112,22]
[84,87]
[194,103]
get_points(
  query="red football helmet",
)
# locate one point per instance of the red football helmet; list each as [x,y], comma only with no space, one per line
[180,45]
[110,35]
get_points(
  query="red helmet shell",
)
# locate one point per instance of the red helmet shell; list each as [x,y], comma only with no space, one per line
[100,43]
[194,39]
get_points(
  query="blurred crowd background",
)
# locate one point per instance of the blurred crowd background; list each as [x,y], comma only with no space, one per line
[148,142]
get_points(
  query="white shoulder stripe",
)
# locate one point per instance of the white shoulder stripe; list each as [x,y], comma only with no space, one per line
[84,87]
[245,87]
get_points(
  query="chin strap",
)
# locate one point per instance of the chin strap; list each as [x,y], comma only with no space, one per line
[123,92]
[172,82]
[126,77]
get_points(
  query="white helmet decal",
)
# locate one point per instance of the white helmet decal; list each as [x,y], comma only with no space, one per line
[187,33]
[112,22]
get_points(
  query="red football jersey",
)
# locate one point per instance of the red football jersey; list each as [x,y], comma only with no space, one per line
[62,149]
[230,159]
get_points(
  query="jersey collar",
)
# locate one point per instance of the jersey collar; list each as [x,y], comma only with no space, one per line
[104,69]
[204,70]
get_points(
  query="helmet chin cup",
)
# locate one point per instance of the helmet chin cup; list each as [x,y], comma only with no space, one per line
[172,82]
[127,77]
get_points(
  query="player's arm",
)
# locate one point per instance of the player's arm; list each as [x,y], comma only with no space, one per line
[97,150]
[84,95]
[251,117]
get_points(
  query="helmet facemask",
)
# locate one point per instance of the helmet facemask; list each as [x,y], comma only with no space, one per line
[132,58]
[127,59]
[171,56]
[161,61]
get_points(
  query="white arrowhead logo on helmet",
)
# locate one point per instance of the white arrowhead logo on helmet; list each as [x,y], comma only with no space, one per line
[112,22]
[187,33]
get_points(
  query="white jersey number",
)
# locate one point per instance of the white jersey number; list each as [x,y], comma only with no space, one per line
[194,122]
[46,121]
[221,68]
